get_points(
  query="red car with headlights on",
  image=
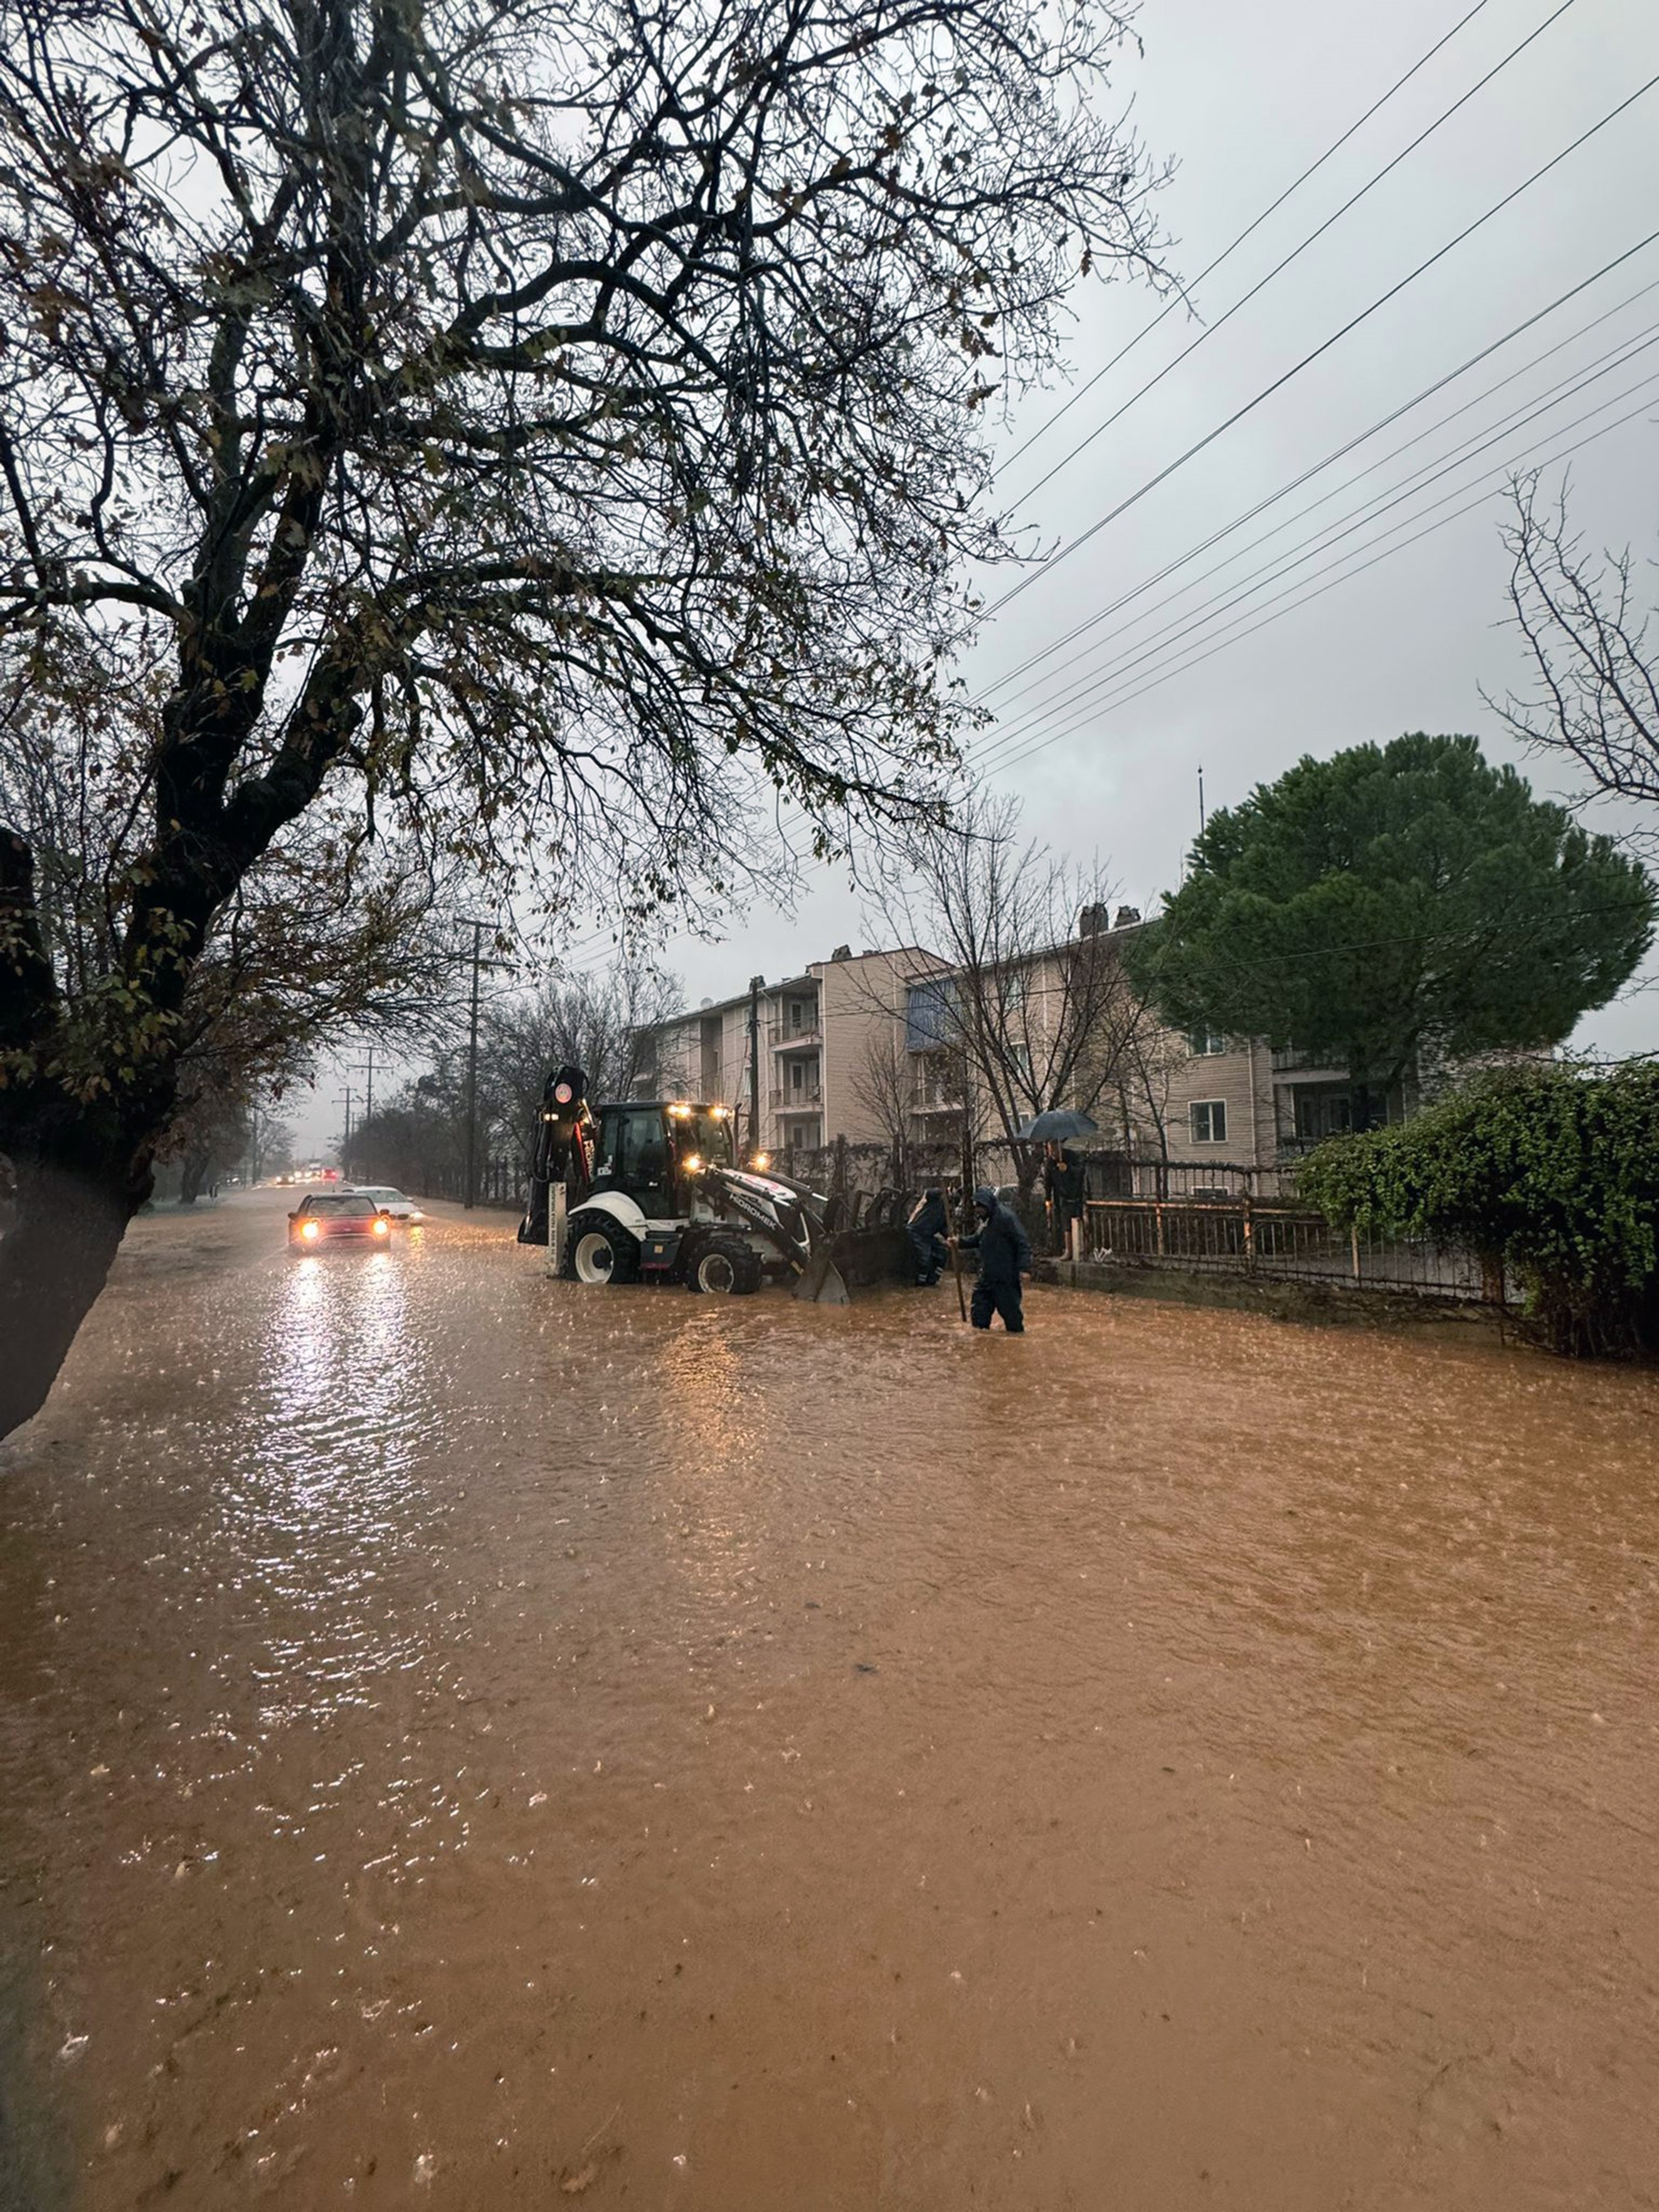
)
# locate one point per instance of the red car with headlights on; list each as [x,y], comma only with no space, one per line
[329,1219]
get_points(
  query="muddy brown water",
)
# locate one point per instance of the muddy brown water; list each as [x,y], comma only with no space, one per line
[471,1742]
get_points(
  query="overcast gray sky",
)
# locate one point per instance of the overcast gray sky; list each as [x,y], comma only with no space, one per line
[1244,98]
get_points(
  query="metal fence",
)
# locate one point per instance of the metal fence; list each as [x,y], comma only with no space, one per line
[1279,1243]
[499,1180]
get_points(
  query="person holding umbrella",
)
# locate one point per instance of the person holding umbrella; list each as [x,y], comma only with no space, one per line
[1004,1256]
[1065,1176]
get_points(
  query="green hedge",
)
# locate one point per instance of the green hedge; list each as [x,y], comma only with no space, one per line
[1554,1170]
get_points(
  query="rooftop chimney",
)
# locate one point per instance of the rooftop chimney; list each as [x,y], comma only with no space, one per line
[1127,917]
[1091,920]
[841,952]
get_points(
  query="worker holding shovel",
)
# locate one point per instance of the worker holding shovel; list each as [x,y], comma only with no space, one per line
[1004,1256]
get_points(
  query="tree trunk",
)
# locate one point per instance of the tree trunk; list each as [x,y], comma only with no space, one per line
[65,1228]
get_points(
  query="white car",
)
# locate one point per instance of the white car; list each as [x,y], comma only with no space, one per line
[390,1201]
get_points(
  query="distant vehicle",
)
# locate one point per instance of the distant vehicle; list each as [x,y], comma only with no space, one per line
[394,1202]
[335,1215]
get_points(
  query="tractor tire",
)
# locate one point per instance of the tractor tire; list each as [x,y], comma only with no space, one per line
[725,1266]
[597,1250]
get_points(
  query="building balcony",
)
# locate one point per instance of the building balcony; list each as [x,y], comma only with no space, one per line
[797,1040]
[935,1106]
[796,1102]
[1291,1060]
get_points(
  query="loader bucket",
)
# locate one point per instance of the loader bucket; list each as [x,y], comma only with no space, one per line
[819,1281]
[854,1257]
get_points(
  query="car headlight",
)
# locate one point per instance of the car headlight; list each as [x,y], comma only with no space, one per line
[382,1226]
[693,1163]
[308,1229]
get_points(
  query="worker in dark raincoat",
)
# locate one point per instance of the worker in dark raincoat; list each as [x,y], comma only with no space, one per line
[926,1229]
[1004,1256]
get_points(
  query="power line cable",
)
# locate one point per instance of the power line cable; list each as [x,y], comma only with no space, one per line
[1331,533]
[1250,229]
[1324,347]
[1296,252]
[601,938]
[1330,584]
[1297,597]
[1337,454]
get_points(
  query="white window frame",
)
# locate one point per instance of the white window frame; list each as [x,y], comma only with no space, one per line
[1211,1107]
[1205,1044]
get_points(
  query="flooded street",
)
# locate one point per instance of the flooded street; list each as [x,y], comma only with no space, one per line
[469,1742]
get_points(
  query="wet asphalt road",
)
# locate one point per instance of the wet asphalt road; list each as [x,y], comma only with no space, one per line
[471,1742]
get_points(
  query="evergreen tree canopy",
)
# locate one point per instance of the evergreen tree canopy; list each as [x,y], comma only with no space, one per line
[1393,906]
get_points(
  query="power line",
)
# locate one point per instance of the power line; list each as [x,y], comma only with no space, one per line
[1296,251]
[985,760]
[1341,453]
[1331,533]
[1324,347]
[600,937]
[1250,229]
[1330,584]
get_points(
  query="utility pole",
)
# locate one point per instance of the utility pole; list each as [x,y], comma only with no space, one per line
[756,985]
[1203,819]
[345,1145]
[368,1073]
[471,1194]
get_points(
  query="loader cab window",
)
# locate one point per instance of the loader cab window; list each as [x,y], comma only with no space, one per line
[633,1155]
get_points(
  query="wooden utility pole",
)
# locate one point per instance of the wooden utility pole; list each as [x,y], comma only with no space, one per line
[470,1191]
[756,985]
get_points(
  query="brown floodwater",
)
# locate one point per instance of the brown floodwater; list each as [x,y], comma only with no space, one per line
[471,1743]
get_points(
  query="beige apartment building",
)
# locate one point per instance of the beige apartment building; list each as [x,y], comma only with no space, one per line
[818,1041]
[853,1044]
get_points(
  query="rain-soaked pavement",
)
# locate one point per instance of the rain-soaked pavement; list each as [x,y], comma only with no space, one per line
[469,1742]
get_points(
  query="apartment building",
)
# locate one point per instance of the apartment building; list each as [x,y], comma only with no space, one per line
[818,1041]
[856,1043]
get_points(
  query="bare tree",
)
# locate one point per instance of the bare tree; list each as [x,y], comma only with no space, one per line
[883,1083]
[1595,694]
[1031,997]
[594,1022]
[555,430]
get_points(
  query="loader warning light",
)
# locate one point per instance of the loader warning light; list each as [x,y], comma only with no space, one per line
[563,1093]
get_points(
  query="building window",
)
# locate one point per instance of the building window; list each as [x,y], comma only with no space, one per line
[929,1013]
[1205,1044]
[1320,1113]
[1209,1120]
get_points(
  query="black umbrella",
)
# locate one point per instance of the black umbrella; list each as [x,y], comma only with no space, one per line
[1059,1123]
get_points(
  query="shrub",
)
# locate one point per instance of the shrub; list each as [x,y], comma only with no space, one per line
[1552,1170]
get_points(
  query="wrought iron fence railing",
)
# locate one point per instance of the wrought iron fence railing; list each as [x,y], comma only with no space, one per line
[1281,1242]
